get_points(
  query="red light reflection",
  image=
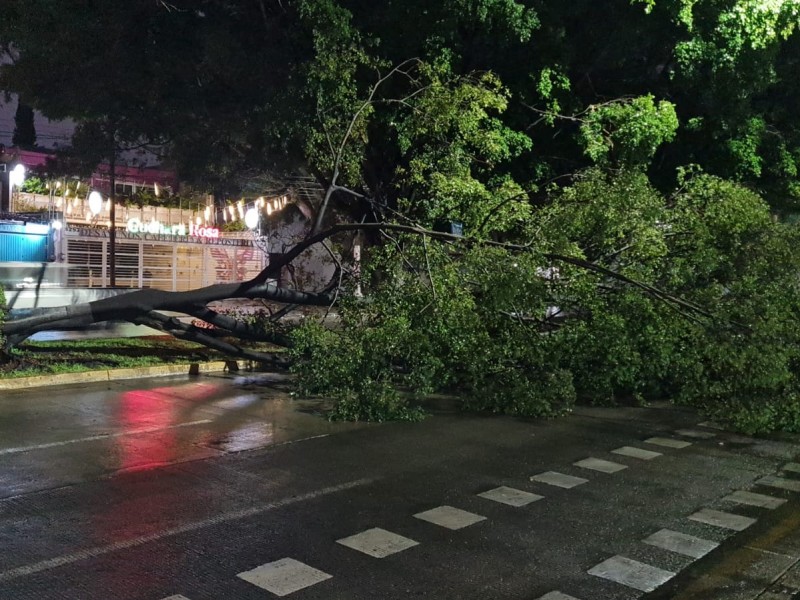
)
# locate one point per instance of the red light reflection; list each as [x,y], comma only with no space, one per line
[149,420]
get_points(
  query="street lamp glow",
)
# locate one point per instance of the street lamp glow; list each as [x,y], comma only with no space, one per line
[17,176]
[251,218]
[95,203]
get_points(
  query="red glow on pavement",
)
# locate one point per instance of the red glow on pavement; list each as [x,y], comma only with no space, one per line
[151,418]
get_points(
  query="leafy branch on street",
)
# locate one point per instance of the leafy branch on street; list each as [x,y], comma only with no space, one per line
[626,177]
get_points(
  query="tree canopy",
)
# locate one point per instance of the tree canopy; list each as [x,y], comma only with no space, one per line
[622,171]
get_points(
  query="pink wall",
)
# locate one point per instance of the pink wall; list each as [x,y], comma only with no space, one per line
[141,176]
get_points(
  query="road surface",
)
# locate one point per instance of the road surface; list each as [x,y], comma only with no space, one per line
[224,487]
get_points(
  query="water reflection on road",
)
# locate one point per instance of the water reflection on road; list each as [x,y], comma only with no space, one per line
[56,436]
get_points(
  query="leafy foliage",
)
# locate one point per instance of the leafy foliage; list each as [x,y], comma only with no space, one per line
[611,180]
[628,133]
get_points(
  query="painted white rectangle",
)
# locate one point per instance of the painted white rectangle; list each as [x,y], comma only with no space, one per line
[719,518]
[176,597]
[510,496]
[377,542]
[711,425]
[450,517]
[631,573]
[674,541]
[752,499]
[284,576]
[695,433]
[559,479]
[556,596]
[598,464]
[668,442]
[782,483]
[639,453]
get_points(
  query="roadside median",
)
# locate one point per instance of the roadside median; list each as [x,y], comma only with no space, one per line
[101,375]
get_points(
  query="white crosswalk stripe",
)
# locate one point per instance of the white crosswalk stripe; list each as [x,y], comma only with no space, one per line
[752,499]
[674,541]
[719,518]
[639,453]
[631,573]
[697,434]
[450,517]
[510,496]
[668,442]
[598,464]
[377,542]
[559,479]
[792,485]
[284,576]
[556,595]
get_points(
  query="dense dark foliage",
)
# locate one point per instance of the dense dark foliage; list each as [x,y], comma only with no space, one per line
[622,171]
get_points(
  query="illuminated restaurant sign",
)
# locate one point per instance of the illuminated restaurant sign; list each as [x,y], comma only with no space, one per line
[156,227]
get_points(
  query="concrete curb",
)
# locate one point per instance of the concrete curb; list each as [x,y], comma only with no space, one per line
[122,374]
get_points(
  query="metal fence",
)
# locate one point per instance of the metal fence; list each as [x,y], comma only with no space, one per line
[158,261]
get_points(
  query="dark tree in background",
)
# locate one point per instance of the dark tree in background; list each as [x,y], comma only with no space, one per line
[24,129]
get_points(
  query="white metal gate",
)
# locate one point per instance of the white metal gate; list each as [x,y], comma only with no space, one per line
[158,261]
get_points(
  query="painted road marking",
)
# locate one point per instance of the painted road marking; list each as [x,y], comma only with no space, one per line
[792,467]
[452,518]
[103,436]
[637,453]
[694,433]
[631,573]
[377,542]
[284,576]
[510,496]
[598,464]
[66,559]
[176,597]
[722,519]
[681,543]
[556,596]
[752,499]
[792,485]
[668,442]
[559,479]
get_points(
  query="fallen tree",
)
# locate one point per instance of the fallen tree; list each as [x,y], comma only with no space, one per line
[602,288]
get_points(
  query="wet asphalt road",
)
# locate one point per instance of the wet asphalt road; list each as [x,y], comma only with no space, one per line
[172,488]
